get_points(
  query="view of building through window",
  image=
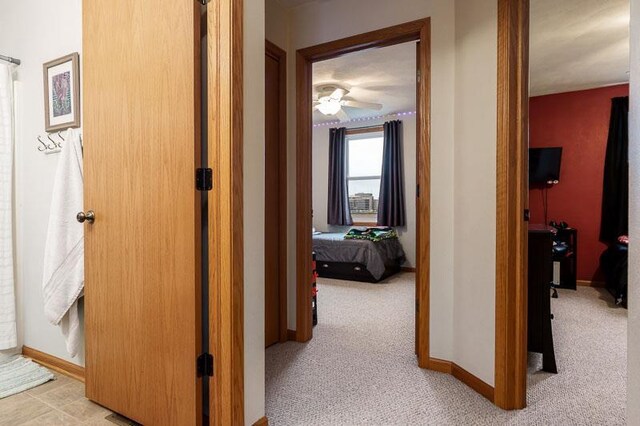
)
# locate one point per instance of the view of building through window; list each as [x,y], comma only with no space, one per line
[365,168]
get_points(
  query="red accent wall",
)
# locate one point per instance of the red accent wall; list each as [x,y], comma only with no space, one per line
[579,123]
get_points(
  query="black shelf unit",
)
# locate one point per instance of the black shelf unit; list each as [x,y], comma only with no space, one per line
[569,261]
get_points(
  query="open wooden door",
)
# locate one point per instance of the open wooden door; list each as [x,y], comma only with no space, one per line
[142,254]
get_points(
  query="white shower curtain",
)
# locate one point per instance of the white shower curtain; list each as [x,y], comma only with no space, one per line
[8,335]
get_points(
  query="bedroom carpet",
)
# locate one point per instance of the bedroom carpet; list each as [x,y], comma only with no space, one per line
[360,369]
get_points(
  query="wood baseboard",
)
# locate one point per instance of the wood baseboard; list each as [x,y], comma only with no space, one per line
[262,422]
[407,269]
[291,335]
[587,283]
[448,367]
[54,363]
[440,365]
[473,382]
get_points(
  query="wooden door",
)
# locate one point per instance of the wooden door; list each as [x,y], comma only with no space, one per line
[141,133]
[275,195]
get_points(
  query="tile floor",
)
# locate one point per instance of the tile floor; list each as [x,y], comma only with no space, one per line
[58,402]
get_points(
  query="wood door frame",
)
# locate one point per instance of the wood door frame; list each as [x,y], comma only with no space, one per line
[419,30]
[226,235]
[512,200]
[281,56]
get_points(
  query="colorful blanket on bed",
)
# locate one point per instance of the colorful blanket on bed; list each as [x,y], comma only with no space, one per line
[371,234]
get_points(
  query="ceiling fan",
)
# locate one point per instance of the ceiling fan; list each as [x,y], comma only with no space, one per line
[331,101]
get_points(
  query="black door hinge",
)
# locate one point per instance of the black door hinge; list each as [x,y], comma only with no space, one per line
[417,191]
[527,215]
[204,365]
[203,2]
[204,179]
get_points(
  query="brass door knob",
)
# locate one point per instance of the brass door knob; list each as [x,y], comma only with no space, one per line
[90,217]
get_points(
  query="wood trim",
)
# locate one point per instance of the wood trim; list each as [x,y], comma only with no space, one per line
[363,130]
[291,335]
[54,363]
[262,422]
[423,202]
[281,56]
[419,30]
[472,381]
[371,224]
[448,367]
[408,269]
[440,365]
[226,234]
[595,284]
[200,31]
[303,197]
[512,200]
[389,36]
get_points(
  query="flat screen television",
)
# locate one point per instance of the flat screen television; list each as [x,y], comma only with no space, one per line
[544,164]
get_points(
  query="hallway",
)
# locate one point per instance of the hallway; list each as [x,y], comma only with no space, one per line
[360,367]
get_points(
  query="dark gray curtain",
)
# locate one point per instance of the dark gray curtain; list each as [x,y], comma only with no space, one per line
[338,212]
[615,194]
[391,207]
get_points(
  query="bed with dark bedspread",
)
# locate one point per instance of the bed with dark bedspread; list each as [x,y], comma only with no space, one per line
[355,259]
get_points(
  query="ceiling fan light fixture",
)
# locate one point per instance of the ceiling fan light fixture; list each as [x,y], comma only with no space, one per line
[329,106]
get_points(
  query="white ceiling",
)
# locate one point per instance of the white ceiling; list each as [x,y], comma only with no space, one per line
[575,45]
[578,44]
[386,75]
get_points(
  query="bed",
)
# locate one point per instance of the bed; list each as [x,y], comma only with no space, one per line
[356,259]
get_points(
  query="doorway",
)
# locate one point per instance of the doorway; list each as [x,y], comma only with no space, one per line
[541,120]
[413,31]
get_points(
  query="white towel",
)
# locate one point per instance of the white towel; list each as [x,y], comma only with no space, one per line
[63,280]
[8,334]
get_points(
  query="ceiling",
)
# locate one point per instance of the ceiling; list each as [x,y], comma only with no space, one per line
[386,75]
[578,44]
[575,44]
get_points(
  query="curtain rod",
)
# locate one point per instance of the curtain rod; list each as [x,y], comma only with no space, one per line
[10,59]
[376,126]
[398,116]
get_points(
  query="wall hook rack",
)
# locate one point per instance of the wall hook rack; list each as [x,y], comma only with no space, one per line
[51,147]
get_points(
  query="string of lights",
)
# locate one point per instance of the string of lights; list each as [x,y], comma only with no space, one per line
[360,120]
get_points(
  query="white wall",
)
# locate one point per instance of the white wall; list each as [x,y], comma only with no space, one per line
[475,186]
[633,327]
[254,35]
[277,24]
[36,32]
[407,234]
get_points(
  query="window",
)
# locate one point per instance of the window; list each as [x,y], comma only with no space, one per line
[363,176]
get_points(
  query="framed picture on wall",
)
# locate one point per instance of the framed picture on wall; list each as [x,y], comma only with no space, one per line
[62,93]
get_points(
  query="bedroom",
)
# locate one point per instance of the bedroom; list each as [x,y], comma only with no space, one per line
[351,166]
[578,198]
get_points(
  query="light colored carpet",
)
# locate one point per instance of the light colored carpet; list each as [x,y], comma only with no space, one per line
[18,374]
[360,367]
